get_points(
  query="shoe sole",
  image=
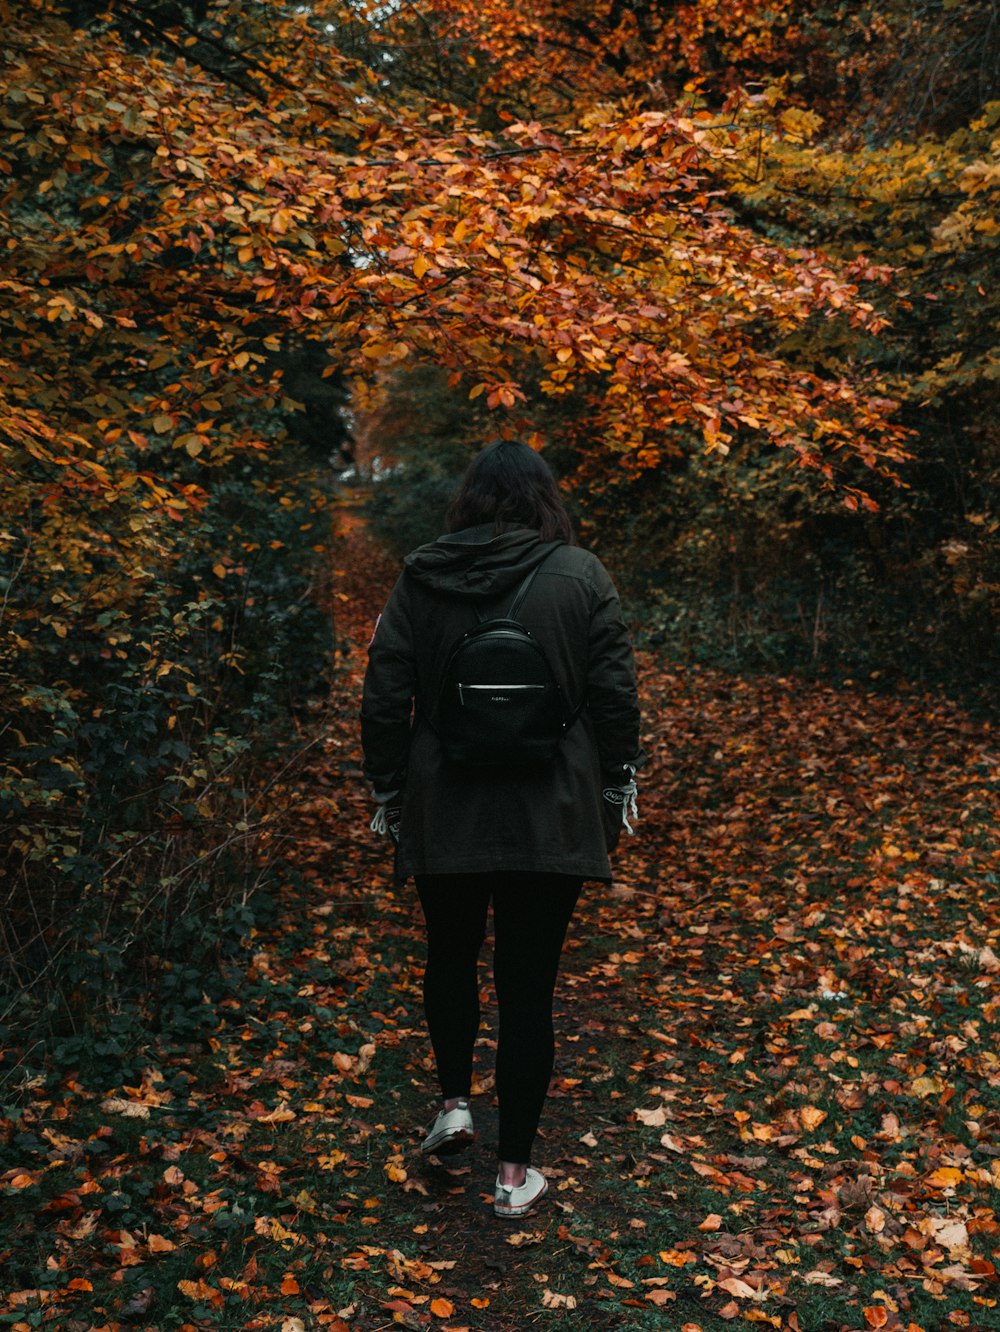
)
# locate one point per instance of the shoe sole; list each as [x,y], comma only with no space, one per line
[521,1208]
[448,1145]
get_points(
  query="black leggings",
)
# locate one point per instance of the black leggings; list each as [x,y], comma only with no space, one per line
[530,916]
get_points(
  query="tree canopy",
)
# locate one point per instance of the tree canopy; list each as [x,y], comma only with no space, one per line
[191,189]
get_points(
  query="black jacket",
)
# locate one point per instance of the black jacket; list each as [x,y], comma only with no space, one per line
[555,821]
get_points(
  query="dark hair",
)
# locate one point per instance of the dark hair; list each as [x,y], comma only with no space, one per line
[510,483]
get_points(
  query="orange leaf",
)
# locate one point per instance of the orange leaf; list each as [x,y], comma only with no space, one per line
[289,1286]
[442,1308]
[876,1316]
[677,1257]
[811,1117]
[200,1290]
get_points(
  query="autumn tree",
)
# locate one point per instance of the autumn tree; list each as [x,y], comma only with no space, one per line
[815,96]
[202,200]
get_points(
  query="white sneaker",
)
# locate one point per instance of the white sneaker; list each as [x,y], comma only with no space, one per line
[450,1132]
[516,1199]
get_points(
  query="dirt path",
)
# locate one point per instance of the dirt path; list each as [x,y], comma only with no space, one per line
[776,1089]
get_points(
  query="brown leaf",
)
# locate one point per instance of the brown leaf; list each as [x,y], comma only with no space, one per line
[875,1220]
[661,1296]
[522,1237]
[741,1289]
[654,1118]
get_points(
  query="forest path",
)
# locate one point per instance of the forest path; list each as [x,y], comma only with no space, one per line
[776,1088]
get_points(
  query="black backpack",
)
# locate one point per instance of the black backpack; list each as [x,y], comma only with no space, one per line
[500,705]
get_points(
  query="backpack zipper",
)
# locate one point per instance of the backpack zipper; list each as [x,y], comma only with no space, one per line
[495,688]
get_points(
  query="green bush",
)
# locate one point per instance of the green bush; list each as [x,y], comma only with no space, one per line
[148,724]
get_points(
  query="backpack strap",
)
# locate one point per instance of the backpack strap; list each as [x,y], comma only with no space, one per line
[522,590]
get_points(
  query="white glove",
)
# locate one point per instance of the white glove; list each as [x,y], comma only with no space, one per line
[625,794]
[385,820]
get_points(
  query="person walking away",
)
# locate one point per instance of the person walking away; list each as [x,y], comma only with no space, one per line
[522,837]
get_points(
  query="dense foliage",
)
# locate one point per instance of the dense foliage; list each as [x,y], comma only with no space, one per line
[871,132]
[719,257]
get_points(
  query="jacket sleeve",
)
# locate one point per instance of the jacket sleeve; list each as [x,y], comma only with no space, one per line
[387,701]
[612,693]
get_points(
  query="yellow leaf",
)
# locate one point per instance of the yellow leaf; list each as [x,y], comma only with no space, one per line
[420,265]
[522,1237]
[280,1115]
[272,1229]
[944,1177]
[926,1087]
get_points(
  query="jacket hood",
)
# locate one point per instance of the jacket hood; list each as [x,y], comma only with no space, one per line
[475,565]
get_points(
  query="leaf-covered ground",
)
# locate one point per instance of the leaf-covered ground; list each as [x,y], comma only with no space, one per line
[776,1091]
